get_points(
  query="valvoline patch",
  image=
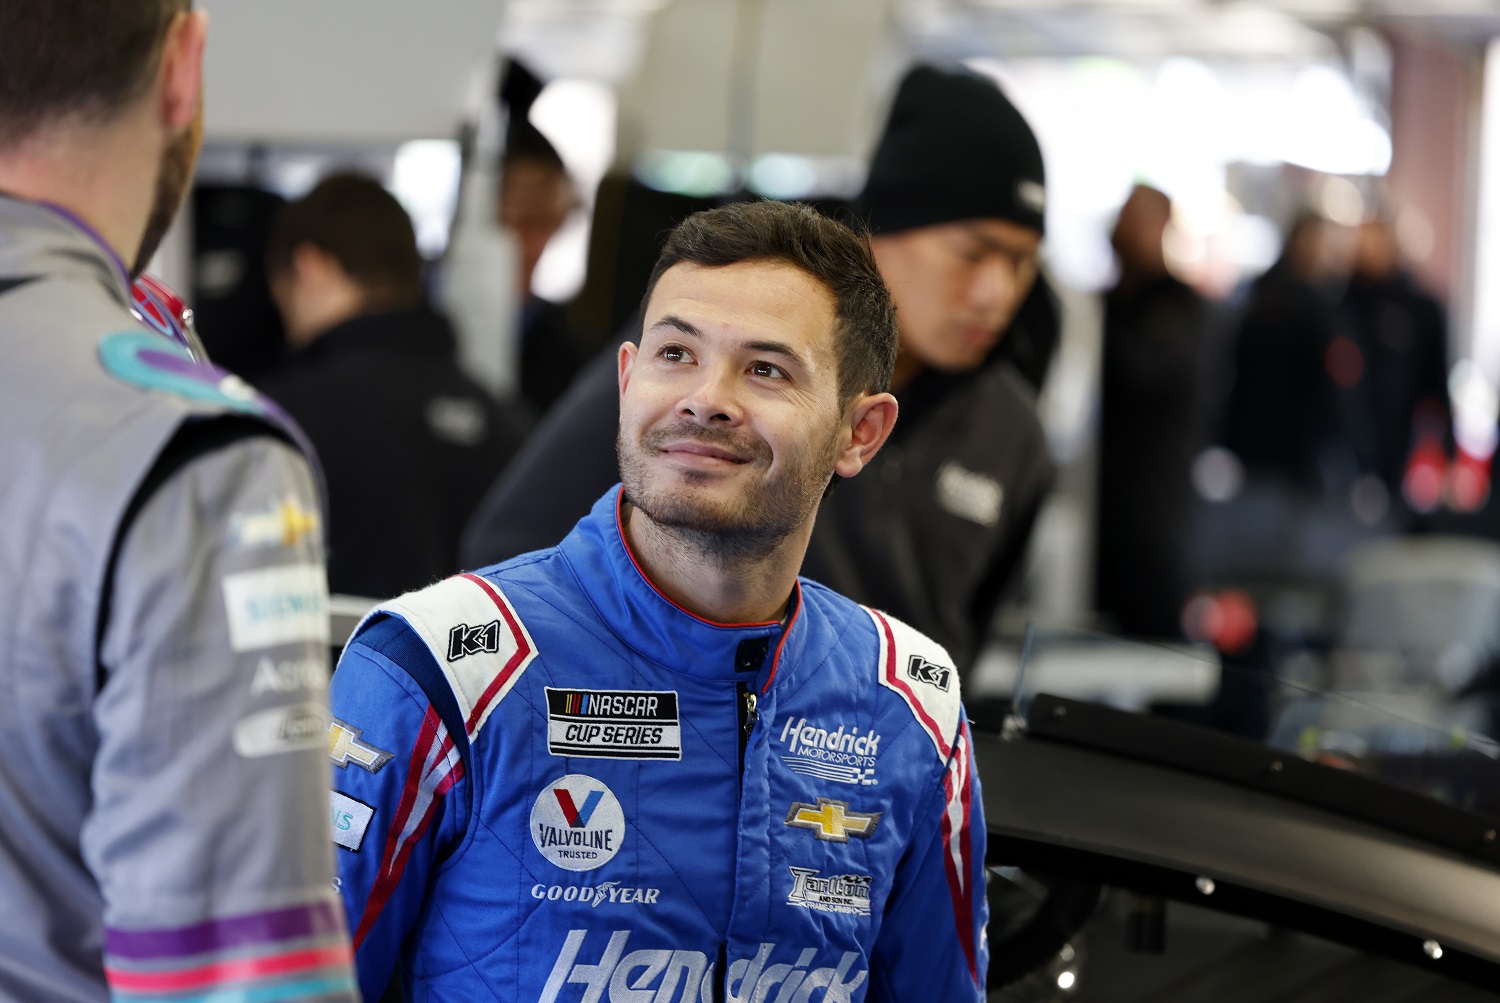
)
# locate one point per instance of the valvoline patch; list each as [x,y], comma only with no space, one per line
[157,363]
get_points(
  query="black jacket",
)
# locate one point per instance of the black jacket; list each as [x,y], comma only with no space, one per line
[933,531]
[408,442]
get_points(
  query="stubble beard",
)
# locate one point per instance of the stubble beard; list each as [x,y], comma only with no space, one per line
[726,533]
[172,182]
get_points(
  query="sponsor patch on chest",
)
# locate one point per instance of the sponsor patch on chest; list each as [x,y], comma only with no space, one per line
[577,823]
[613,724]
[841,893]
[843,755]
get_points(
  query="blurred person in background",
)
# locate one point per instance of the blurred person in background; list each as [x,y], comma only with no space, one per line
[375,382]
[536,196]
[937,532]
[1398,334]
[164,651]
[1155,346]
[1285,419]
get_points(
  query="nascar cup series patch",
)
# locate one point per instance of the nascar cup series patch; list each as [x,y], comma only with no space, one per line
[613,724]
[577,823]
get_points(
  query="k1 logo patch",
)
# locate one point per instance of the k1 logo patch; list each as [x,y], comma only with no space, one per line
[931,673]
[577,823]
[613,724]
[465,640]
[832,821]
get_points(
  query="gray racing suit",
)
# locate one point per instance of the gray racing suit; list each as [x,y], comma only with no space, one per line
[164,825]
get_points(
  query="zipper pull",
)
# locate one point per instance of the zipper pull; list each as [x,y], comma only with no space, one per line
[751,715]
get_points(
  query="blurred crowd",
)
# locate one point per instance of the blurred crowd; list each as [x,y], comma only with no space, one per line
[1310,401]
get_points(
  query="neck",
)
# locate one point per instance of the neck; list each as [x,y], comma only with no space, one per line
[101,175]
[714,582]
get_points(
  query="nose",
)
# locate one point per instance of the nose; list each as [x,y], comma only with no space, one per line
[711,397]
[995,285]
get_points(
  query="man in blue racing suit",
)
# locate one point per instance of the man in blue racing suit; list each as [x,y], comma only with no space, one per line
[651,764]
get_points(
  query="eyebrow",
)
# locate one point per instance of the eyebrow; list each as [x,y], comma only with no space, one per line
[999,246]
[769,347]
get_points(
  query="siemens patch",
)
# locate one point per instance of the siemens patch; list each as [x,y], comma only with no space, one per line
[613,724]
[349,819]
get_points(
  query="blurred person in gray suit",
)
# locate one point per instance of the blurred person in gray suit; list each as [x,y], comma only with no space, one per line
[164,648]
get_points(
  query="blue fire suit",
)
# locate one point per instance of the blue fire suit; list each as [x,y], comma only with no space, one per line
[551,783]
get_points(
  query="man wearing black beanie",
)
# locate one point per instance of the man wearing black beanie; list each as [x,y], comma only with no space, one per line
[954,199]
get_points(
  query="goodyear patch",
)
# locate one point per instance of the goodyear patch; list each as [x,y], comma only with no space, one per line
[613,724]
[153,362]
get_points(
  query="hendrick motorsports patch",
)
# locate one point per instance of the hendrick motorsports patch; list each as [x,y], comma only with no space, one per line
[577,823]
[613,724]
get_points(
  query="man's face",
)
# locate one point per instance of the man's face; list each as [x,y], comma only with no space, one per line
[172,181]
[730,422]
[957,287]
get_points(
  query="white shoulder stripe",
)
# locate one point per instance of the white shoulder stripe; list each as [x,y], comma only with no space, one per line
[475,637]
[920,672]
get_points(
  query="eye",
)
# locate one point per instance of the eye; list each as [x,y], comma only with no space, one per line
[767,370]
[674,353]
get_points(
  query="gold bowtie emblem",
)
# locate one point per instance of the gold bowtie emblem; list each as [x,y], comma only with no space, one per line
[832,820]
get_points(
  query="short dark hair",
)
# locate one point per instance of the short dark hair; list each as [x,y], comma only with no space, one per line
[353,218]
[83,58]
[829,251]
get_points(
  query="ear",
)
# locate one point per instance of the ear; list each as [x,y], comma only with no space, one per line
[628,353]
[870,422]
[181,73]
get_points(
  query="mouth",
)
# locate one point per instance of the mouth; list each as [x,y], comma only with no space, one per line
[979,334]
[701,453]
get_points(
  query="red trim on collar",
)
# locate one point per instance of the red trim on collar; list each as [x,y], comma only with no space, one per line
[620,526]
[792,622]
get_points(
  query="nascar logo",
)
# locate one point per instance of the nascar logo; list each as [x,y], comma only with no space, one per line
[613,724]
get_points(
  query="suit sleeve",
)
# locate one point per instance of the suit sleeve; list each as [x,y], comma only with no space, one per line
[208,834]
[399,797]
[932,942]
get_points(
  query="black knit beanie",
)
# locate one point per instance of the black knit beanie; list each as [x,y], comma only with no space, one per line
[954,148]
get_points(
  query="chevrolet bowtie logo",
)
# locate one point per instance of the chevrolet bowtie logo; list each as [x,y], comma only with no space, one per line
[345,747]
[832,820]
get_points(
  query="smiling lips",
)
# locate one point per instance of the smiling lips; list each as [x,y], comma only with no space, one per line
[699,450]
